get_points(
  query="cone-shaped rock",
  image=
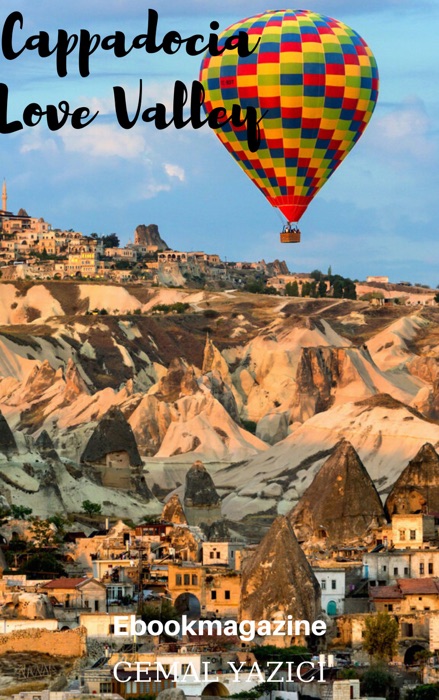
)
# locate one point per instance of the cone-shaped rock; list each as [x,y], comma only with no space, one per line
[278,580]
[45,446]
[112,434]
[199,488]
[7,441]
[417,489]
[173,511]
[341,504]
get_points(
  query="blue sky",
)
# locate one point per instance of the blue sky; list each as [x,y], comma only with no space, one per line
[377,215]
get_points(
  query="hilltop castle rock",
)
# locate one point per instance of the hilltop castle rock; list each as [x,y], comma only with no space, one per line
[342,504]
[278,581]
[417,489]
[150,237]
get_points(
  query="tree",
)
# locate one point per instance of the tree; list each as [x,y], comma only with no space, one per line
[424,692]
[111,241]
[91,508]
[292,289]
[330,271]
[321,289]
[313,290]
[42,564]
[436,298]
[377,682]
[381,634]
[306,288]
[44,534]
[20,512]
[338,288]
[316,275]
[349,290]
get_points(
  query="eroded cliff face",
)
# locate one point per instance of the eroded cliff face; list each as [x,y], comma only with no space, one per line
[277,579]
[296,368]
[417,489]
[341,505]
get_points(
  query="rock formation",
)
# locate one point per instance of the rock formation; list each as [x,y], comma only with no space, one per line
[200,489]
[341,504]
[173,511]
[32,606]
[277,579]
[45,446]
[149,236]
[112,434]
[417,489]
[178,381]
[8,446]
[216,531]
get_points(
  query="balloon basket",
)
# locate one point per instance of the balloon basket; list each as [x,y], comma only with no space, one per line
[290,237]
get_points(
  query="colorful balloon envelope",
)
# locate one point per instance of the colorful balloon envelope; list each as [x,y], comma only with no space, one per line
[318,81]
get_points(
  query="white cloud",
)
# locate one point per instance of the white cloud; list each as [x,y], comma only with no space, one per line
[104,141]
[175,171]
[153,189]
[34,140]
[405,133]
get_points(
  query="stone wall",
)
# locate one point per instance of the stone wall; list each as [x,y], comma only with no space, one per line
[71,643]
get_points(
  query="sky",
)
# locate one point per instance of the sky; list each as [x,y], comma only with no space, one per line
[377,215]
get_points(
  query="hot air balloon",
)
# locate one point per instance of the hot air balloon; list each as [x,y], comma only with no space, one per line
[318,81]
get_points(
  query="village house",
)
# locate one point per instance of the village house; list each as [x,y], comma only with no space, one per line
[406,596]
[333,587]
[77,594]
[222,554]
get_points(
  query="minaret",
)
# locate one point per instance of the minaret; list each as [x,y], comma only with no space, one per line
[4,197]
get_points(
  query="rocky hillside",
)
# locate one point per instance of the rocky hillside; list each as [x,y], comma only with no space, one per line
[261,389]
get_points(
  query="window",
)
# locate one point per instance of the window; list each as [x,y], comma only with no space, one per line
[178,580]
[187,580]
[111,629]
[421,568]
[213,595]
[395,571]
[218,555]
[402,535]
[194,580]
[412,534]
[384,568]
[212,555]
[430,568]
[227,595]
[389,606]
[333,584]
[406,571]
[323,585]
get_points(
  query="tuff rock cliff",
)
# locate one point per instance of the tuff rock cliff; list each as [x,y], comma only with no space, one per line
[277,579]
[417,489]
[341,504]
